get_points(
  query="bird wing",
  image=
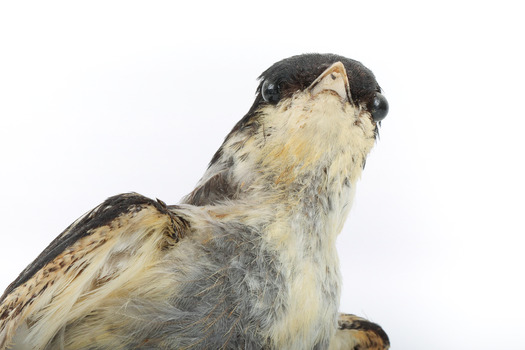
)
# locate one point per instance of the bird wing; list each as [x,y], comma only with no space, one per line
[354,332]
[93,258]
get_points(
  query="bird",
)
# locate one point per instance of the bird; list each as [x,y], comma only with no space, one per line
[246,260]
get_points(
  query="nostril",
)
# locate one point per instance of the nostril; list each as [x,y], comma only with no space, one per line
[378,107]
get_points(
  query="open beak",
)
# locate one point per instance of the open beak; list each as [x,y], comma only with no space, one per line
[333,79]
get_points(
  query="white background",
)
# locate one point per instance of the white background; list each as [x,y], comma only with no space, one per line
[106,97]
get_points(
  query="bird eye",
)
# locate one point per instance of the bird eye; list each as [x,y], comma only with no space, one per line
[270,92]
[379,107]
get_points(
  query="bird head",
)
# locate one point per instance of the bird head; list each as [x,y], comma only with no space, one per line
[313,114]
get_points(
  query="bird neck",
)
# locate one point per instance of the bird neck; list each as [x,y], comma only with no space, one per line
[316,194]
[312,204]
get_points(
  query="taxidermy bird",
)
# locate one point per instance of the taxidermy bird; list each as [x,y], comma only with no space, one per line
[247,260]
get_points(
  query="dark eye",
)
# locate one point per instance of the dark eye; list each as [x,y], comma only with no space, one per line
[270,92]
[379,107]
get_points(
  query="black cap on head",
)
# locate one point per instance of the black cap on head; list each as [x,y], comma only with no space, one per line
[297,73]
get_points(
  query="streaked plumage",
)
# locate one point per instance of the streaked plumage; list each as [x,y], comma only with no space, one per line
[247,260]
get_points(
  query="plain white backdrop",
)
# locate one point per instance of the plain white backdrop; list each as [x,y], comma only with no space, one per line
[103,97]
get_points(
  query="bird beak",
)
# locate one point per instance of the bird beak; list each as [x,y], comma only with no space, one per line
[334,79]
